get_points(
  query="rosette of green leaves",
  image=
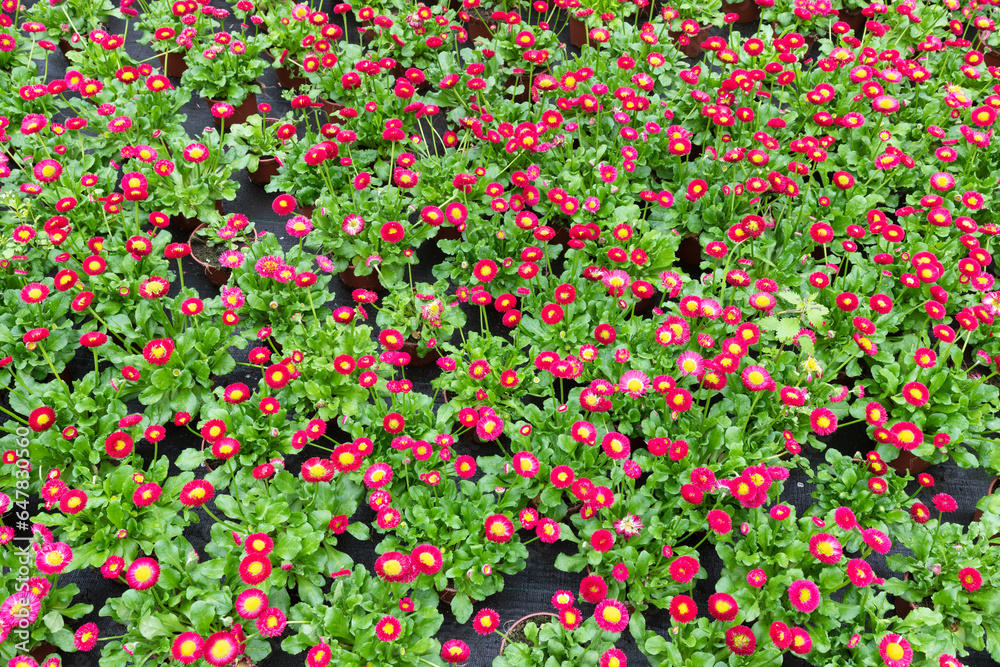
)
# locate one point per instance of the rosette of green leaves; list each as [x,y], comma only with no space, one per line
[190,595]
[552,645]
[296,514]
[948,618]
[51,627]
[93,532]
[452,518]
[351,636]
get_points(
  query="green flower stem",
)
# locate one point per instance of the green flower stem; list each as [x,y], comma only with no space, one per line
[13,416]
[53,368]
[309,294]
[217,519]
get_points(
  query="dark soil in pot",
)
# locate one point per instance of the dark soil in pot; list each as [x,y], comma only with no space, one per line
[516,633]
[208,256]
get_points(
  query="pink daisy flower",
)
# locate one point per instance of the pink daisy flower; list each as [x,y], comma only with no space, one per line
[188,648]
[804,595]
[611,615]
[895,651]
[826,548]
[634,383]
[143,574]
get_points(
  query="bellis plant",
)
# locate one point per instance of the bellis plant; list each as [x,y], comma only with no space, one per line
[596,308]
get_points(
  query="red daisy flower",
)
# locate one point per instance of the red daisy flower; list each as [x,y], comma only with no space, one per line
[895,651]
[683,609]
[822,421]
[741,640]
[684,569]
[593,588]
[970,579]
[427,559]
[196,492]
[944,503]
[485,270]
[394,566]
[271,623]
[611,615]
[860,572]
[42,419]
[255,569]
[143,573]
[826,548]
[486,622]
[804,595]
[455,651]
[251,603]
[498,528]
[722,606]
[187,648]
[221,649]
[877,540]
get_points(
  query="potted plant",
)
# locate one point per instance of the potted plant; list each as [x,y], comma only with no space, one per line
[422,318]
[258,138]
[225,74]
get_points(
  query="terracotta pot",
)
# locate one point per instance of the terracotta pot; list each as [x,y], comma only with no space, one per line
[991,58]
[304,210]
[173,63]
[477,28]
[42,651]
[689,251]
[187,225]
[855,19]
[989,492]
[417,361]
[349,278]
[447,595]
[331,108]
[577,32]
[693,48]
[448,233]
[267,168]
[525,620]
[247,108]
[210,467]
[184,224]
[748,10]
[288,76]
[216,275]
[66,46]
[906,462]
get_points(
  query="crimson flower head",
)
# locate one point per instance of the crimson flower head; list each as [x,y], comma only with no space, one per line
[944,503]
[970,578]
[157,352]
[284,204]
[486,621]
[455,651]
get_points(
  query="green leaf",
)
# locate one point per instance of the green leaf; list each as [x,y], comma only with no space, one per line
[190,459]
[202,614]
[53,621]
[461,607]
